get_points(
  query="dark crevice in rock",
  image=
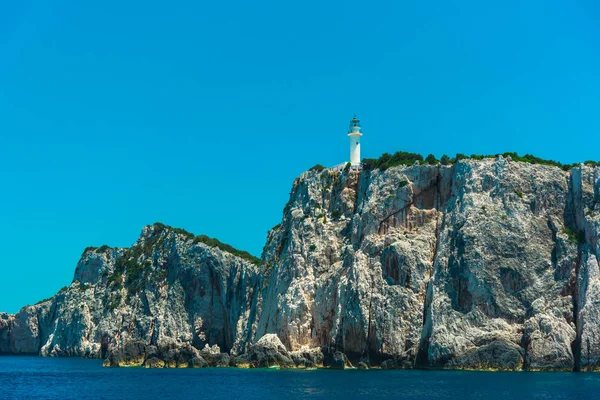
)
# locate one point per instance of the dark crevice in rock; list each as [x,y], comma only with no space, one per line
[570,220]
[422,359]
[525,342]
[576,344]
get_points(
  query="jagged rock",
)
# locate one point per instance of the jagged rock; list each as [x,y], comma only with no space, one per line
[362,365]
[585,183]
[267,352]
[211,350]
[241,361]
[152,351]
[187,355]
[494,261]
[154,362]
[217,360]
[397,363]
[178,356]
[198,362]
[214,357]
[137,353]
[339,361]
[130,353]
[497,355]
[193,293]
[307,358]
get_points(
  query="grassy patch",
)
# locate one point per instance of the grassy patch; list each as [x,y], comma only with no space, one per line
[577,237]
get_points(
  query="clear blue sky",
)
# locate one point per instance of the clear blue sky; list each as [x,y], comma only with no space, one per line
[201,114]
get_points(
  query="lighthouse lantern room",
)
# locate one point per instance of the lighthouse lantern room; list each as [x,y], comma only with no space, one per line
[355,132]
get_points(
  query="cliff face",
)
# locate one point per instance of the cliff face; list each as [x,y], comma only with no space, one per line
[488,264]
[485,264]
[166,291]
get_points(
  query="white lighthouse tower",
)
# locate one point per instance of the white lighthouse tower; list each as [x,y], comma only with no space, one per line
[355,132]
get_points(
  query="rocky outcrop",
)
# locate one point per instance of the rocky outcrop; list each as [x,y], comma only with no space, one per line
[338,360]
[488,264]
[479,265]
[268,351]
[585,219]
[308,358]
[168,292]
[214,357]
[135,353]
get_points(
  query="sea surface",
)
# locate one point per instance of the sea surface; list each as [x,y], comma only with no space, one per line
[74,378]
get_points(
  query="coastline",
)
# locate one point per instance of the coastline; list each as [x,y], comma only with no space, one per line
[318,368]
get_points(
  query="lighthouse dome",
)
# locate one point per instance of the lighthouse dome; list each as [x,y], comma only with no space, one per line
[355,126]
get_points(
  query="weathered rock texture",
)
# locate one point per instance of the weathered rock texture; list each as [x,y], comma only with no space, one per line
[488,264]
[157,299]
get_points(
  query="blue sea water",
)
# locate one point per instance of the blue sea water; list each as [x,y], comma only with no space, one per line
[74,378]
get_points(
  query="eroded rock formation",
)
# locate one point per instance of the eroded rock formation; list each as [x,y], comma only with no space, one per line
[489,264]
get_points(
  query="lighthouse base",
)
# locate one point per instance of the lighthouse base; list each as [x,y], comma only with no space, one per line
[342,166]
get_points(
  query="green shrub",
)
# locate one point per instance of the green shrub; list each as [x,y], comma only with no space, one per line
[317,167]
[369,163]
[528,158]
[212,242]
[431,160]
[335,214]
[388,160]
[519,193]
[403,183]
[574,236]
[44,300]
[115,279]
[312,247]
[225,247]
[347,167]
[403,158]
[183,232]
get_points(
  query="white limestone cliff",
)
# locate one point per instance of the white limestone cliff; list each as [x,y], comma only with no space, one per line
[488,264]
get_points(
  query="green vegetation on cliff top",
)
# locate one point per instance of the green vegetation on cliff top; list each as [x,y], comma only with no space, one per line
[212,242]
[136,263]
[405,158]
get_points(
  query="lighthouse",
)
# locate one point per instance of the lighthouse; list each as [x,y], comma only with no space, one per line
[355,132]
